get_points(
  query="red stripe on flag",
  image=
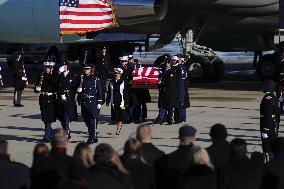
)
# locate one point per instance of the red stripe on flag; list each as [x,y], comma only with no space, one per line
[85,13]
[93,6]
[79,29]
[62,21]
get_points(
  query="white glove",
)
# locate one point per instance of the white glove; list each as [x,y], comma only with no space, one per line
[99,106]
[281,98]
[79,90]
[24,78]
[38,88]
[63,97]
[61,69]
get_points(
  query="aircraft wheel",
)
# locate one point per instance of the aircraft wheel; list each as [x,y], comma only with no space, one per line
[200,69]
[266,67]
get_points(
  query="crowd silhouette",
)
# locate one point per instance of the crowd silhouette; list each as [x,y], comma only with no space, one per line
[222,165]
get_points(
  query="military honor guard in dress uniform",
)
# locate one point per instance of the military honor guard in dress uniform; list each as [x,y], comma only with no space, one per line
[269,119]
[46,85]
[66,103]
[168,92]
[19,77]
[180,113]
[1,79]
[90,98]
[117,98]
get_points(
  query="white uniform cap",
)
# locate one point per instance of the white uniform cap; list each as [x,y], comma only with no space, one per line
[123,58]
[118,70]
[175,58]
[48,64]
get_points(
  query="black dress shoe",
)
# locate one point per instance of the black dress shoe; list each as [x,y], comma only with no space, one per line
[89,141]
[18,105]
[69,136]
[45,141]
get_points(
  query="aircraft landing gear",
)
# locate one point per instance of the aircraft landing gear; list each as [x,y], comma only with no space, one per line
[203,64]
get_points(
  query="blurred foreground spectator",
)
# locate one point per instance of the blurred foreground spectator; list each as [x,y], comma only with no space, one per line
[142,174]
[13,175]
[150,152]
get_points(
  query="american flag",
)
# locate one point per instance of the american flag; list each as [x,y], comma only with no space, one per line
[81,16]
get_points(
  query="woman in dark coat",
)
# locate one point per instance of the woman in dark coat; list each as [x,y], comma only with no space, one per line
[200,174]
[108,171]
[117,97]
[142,174]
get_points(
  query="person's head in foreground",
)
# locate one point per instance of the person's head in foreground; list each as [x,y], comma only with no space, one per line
[187,135]
[218,133]
[144,133]
[105,155]
[201,157]
[83,152]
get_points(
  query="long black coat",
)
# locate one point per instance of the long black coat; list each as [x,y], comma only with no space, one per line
[219,153]
[47,104]
[13,175]
[142,175]
[199,177]
[241,173]
[269,121]
[57,170]
[106,176]
[17,73]
[169,89]
[67,85]
[169,168]
[275,173]
[117,96]
[151,153]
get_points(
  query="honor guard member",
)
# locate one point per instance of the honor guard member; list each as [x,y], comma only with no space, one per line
[104,59]
[19,77]
[90,92]
[1,79]
[46,85]
[66,103]
[169,93]
[180,115]
[269,119]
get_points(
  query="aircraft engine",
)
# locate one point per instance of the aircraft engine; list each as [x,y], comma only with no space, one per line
[130,12]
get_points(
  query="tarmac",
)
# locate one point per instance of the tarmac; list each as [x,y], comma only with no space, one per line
[232,102]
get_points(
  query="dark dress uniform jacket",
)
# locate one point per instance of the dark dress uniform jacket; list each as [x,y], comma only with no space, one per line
[17,71]
[269,120]
[91,96]
[13,175]
[106,176]
[47,103]
[57,170]
[183,88]
[67,86]
[169,89]
[142,175]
